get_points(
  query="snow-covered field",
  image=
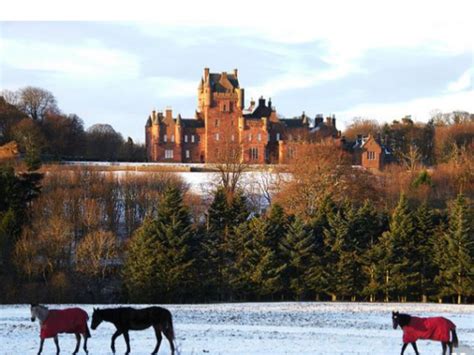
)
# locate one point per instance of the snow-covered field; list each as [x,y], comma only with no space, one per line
[255,328]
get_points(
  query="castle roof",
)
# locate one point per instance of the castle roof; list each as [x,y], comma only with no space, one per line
[218,82]
[192,122]
[262,110]
[293,122]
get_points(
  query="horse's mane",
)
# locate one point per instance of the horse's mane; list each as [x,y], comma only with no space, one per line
[403,319]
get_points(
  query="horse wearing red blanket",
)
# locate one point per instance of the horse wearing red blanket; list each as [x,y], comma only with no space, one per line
[55,321]
[433,328]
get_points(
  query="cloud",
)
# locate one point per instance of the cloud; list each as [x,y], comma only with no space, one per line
[86,61]
[167,87]
[463,82]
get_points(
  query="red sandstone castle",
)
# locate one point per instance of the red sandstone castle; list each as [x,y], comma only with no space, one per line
[222,124]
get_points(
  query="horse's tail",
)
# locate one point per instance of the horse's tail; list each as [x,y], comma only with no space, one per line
[454,340]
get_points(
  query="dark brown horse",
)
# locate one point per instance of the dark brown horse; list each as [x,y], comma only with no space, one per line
[433,328]
[128,318]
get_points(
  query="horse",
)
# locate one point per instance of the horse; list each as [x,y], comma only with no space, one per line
[55,321]
[434,328]
[128,318]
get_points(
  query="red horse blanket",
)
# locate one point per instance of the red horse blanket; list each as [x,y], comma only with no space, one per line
[434,328]
[71,320]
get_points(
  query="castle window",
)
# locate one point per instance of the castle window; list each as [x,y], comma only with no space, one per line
[290,137]
[217,136]
[187,154]
[172,138]
[217,123]
[370,155]
[185,138]
[253,153]
[277,137]
[232,138]
[250,137]
[169,154]
[291,152]
[165,138]
[259,137]
[192,138]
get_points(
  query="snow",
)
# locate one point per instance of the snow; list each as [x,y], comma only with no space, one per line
[255,328]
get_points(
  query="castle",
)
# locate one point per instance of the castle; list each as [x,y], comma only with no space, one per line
[223,128]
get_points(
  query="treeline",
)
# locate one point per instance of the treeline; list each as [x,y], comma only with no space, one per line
[32,118]
[343,253]
[434,142]
[94,237]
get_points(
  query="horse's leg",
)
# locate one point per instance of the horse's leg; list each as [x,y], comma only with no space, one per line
[57,344]
[450,346]
[41,346]
[415,348]
[116,334]
[158,338]
[127,340]
[85,343]
[78,343]
[443,344]
[169,336]
[403,348]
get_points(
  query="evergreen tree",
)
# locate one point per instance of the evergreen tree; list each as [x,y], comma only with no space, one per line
[140,266]
[161,265]
[266,270]
[401,254]
[346,270]
[175,241]
[424,244]
[456,270]
[368,227]
[299,251]
[17,191]
[223,217]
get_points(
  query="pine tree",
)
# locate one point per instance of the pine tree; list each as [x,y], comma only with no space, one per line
[456,270]
[298,248]
[223,217]
[347,269]
[175,240]
[266,270]
[424,244]
[402,257]
[139,271]
[161,265]
[368,228]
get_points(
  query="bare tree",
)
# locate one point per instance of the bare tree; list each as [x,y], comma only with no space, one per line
[230,164]
[37,102]
[10,97]
[412,159]
[96,254]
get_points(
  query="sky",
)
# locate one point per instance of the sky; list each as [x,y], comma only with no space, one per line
[374,59]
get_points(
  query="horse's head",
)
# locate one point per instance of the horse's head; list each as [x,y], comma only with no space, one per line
[395,319]
[38,311]
[96,318]
[400,319]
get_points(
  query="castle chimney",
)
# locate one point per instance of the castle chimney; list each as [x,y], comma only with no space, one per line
[334,121]
[206,73]
[261,101]
[169,114]
[270,103]
[235,72]
[328,120]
